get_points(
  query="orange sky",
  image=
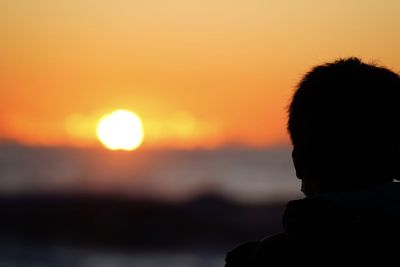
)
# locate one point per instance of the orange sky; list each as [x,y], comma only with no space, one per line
[199,73]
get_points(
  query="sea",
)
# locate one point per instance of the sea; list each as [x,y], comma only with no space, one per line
[242,175]
[19,255]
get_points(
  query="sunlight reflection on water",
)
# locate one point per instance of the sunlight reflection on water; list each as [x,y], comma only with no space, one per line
[27,256]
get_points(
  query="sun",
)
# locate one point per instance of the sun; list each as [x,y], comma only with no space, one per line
[120,130]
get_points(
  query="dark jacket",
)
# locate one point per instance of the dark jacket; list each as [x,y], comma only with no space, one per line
[343,229]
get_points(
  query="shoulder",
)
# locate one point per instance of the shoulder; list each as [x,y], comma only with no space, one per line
[241,255]
[269,250]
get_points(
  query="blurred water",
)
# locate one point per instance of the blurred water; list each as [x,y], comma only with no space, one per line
[248,175]
[17,255]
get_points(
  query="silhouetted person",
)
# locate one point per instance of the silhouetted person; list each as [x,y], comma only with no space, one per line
[344,123]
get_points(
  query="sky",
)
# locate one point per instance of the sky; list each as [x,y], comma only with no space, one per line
[198,73]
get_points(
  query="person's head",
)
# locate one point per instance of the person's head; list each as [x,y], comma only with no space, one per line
[344,123]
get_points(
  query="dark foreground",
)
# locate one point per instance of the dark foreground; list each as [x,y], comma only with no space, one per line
[65,230]
[23,255]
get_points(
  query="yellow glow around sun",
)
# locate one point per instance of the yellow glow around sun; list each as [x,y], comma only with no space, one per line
[120,130]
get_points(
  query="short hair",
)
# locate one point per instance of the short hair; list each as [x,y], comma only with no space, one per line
[345,115]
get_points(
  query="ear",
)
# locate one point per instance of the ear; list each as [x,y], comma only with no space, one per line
[298,162]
